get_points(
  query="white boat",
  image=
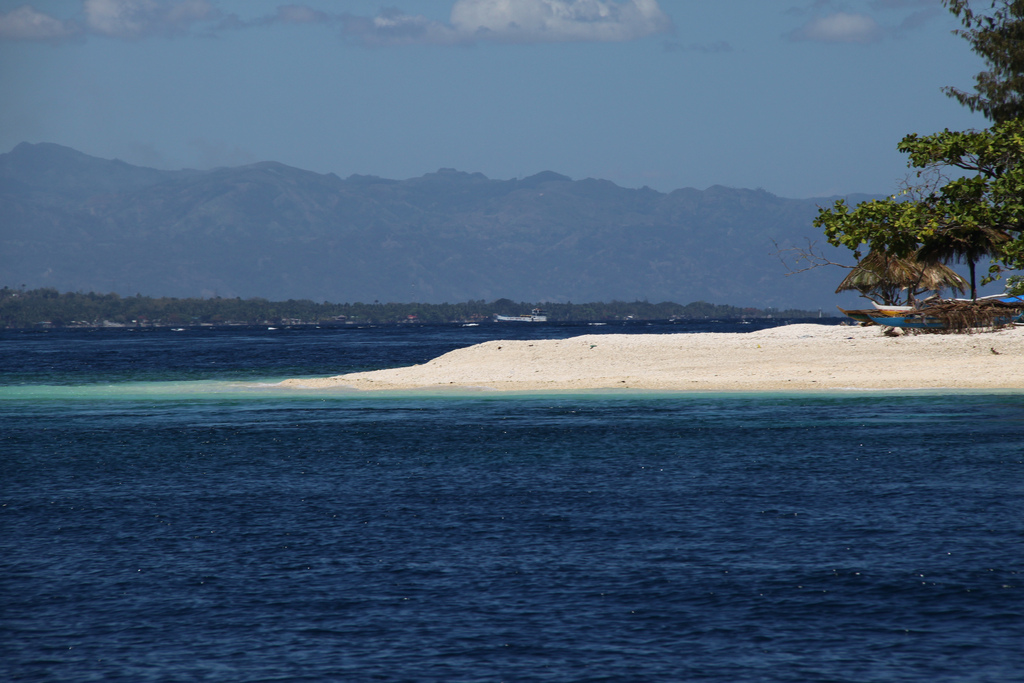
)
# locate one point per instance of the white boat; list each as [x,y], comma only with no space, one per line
[883,307]
[535,316]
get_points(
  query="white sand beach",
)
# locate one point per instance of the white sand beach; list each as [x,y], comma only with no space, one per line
[803,357]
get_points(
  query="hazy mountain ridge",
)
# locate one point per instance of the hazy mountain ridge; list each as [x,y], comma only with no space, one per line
[75,222]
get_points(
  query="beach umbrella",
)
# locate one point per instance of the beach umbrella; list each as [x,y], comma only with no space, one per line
[887,275]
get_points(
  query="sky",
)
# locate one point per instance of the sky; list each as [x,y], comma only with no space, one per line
[802,98]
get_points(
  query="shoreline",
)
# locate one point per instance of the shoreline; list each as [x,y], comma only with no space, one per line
[792,358]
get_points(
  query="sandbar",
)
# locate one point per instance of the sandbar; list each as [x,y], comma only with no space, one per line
[798,358]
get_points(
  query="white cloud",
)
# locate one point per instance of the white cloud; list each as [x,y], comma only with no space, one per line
[122,18]
[840,27]
[394,27]
[507,21]
[24,23]
[128,19]
[138,18]
[834,22]
[516,21]
[558,20]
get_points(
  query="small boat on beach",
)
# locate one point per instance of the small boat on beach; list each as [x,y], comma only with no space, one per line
[535,316]
[891,310]
[913,321]
[958,314]
[860,315]
[999,298]
[866,315]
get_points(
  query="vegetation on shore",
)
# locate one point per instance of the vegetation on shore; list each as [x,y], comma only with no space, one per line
[967,200]
[50,308]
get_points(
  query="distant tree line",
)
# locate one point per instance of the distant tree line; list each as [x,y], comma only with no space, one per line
[49,308]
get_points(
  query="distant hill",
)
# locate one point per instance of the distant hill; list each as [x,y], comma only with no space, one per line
[77,223]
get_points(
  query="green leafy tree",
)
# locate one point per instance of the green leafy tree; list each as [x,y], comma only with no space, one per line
[979,213]
[969,203]
[998,38]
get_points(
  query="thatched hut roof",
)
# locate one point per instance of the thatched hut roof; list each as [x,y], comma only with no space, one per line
[879,269]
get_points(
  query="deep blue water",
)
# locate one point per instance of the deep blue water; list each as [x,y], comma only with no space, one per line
[164,517]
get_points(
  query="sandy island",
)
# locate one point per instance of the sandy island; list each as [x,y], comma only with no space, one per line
[804,357]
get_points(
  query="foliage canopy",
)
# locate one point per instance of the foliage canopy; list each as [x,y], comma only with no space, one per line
[966,217]
[969,203]
[998,38]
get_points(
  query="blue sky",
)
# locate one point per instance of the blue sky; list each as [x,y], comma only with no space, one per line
[802,98]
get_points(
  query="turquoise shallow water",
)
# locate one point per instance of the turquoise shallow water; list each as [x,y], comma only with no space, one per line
[270,388]
[212,390]
[194,525]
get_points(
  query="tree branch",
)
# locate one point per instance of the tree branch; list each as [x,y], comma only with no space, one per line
[807,255]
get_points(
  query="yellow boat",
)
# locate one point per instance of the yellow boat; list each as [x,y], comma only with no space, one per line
[866,315]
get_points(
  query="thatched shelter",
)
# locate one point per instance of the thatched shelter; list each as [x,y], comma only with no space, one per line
[887,277]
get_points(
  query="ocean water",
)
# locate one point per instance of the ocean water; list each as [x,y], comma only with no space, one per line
[165,515]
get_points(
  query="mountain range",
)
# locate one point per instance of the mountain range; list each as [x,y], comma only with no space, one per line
[80,223]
